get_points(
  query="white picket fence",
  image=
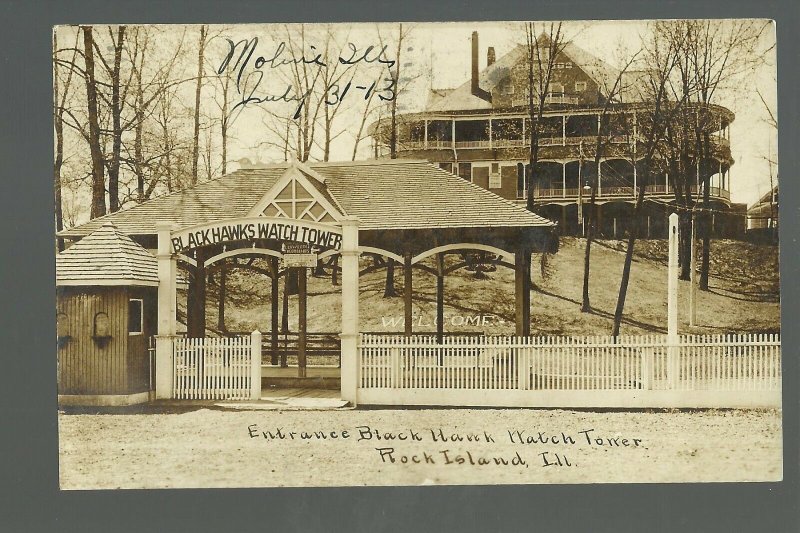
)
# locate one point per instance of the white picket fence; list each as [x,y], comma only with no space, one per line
[217,368]
[645,370]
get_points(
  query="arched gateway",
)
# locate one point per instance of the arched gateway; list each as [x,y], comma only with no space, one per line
[296,214]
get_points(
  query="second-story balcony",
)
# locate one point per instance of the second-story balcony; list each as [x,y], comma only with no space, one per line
[617,192]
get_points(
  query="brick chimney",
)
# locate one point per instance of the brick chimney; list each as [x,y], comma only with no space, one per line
[476,90]
[490,56]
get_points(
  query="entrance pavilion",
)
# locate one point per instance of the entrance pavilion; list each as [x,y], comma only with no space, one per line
[404,211]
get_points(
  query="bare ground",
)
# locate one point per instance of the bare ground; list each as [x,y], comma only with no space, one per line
[214,448]
[743,296]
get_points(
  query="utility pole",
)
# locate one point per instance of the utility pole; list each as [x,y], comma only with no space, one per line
[672,303]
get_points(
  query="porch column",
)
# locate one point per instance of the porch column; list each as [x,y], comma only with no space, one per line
[522,291]
[167,306]
[302,327]
[564,180]
[273,318]
[350,327]
[439,298]
[408,293]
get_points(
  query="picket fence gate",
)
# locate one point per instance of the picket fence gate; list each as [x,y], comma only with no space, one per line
[217,368]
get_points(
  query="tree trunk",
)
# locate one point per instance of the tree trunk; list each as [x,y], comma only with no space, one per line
[98,173]
[223,289]
[116,125]
[389,291]
[198,87]
[586,306]
[685,242]
[705,226]
[59,129]
[626,269]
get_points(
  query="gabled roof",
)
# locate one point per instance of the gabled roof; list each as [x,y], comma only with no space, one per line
[462,99]
[106,257]
[383,194]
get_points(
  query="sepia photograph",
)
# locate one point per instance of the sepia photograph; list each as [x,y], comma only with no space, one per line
[416,253]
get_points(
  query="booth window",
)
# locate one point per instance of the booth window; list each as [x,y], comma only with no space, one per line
[135,316]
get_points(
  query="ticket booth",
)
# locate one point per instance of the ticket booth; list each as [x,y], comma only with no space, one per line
[107,287]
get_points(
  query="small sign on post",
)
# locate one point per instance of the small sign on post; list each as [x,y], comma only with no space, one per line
[298,255]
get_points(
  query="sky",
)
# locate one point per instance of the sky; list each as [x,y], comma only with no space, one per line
[439,54]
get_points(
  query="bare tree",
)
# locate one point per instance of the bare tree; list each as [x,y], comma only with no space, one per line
[541,56]
[98,172]
[198,88]
[661,56]
[59,103]
[612,90]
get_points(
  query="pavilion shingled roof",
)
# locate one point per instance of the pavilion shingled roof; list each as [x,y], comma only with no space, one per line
[106,257]
[383,194]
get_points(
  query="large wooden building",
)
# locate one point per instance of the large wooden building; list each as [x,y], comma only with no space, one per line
[481,132]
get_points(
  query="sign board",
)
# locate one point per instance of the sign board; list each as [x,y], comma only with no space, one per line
[299,260]
[259,228]
[298,255]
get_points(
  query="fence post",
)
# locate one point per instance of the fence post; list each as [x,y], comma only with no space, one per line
[395,366]
[167,302]
[255,365]
[350,324]
[648,358]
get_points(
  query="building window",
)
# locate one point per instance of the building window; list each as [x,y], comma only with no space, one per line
[480,174]
[580,86]
[135,316]
[446,166]
[465,171]
[495,179]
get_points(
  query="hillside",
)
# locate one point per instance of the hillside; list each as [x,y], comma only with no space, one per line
[743,295]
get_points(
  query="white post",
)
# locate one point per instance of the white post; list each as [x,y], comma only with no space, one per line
[693,276]
[255,365]
[349,336]
[167,303]
[672,303]
[648,358]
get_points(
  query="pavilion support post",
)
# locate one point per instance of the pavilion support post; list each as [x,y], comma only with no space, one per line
[167,307]
[274,297]
[439,298]
[350,328]
[302,286]
[408,294]
[196,299]
[522,292]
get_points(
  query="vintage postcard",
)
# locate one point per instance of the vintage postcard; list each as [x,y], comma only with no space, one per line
[417,253]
